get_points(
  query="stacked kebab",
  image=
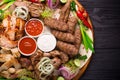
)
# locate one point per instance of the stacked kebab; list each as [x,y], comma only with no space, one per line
[67,34]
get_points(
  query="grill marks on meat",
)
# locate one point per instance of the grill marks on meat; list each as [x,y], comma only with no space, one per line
[56,24]
[78,38]
[69,40]
[36,9]
[64,57]
[65,11]
[67,48]
[35,58]
[57,57]
[12,62]
[67,37]
[56,62]
[26,63]
[72,21]
[22,3]
[4,41]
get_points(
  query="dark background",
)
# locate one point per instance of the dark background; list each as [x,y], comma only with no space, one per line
[105,63]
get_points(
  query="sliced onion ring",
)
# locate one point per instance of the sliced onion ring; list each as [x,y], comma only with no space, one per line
[21,12]
[50,4]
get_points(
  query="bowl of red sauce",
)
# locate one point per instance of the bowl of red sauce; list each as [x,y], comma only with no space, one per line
[34,27]
[27,46]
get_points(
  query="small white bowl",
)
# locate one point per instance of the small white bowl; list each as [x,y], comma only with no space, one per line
[46,42]
[38,34]
[27,43]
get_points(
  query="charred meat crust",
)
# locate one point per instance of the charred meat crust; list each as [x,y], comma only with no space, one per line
[63,36]
[56,24]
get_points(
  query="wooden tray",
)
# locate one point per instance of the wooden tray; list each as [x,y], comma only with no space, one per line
[83,69]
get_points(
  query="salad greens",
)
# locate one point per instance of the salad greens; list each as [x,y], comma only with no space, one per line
[25,78]
[21,78]
[46,13]
[87,41]
[84,57]
[24,72]
[2,78]
[73,64]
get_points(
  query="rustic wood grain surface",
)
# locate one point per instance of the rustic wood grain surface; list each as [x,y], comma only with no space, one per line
[105,63]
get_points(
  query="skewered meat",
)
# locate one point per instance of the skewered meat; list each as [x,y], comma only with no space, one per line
[14,30]
[26,63]
[56,62]
[61,55]
[5,42]
[67,37]
[70,49]
[65,11]
[72,21]
[55,53]
[36,9]
[5,74]
[64,57]
[12,26]
[5,51]
[22,3]
[78,38]
[12,62]
[15,52]
[11,70]
[47,55]
[5,57]
[56,24]
[35,58]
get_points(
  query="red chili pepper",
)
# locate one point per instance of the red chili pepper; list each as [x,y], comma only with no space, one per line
[85,22]
[34,1]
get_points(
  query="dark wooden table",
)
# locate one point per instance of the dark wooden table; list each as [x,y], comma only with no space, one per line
[105,63]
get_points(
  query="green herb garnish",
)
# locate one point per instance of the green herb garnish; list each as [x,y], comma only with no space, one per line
[86,40]
[84,57]
[46,13]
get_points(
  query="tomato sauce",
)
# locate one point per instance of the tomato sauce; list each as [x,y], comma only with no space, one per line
[27,45]
[34,27]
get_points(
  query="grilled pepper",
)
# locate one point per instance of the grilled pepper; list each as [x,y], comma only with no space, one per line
[80,15]
[85,22]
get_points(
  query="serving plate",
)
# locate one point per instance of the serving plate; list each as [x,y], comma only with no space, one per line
[82,51]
